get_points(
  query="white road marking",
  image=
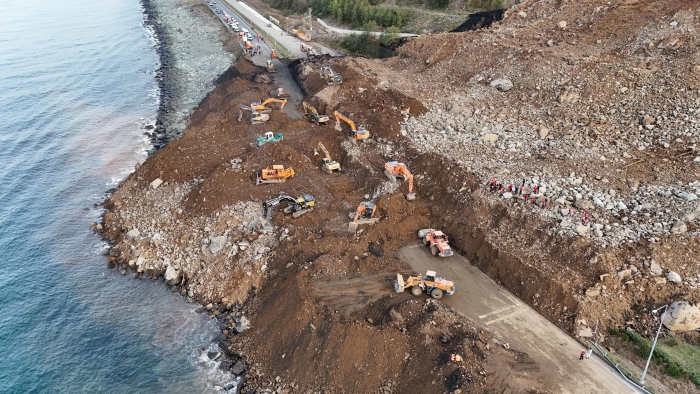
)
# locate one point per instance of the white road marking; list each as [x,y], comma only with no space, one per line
[509,307]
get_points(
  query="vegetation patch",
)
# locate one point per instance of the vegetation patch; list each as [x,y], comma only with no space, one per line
[681,360]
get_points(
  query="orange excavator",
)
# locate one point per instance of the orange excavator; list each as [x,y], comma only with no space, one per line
[261,107]
[363,215]
[354,133]
[394,169]
[274,174]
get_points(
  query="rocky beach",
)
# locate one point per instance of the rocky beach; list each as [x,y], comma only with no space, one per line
[193,51]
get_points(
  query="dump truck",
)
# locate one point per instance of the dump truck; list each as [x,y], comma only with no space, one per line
[437,240]
[268,137]
[274,174]
[296,206]
[429,283]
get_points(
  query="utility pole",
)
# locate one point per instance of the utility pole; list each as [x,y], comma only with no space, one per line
[311,25]
[651,352]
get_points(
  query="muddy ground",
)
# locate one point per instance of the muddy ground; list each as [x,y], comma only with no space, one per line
[323,314]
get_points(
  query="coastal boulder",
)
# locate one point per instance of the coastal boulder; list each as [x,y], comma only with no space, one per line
[682,316]
[172,276]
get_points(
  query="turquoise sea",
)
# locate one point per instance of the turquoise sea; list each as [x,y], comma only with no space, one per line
[76,88]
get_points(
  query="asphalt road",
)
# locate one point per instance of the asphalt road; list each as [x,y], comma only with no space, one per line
[261,24]
[514,322]
[282,78]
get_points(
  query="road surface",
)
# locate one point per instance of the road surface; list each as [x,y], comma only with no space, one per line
[512,321]
[282,78]
[268,29]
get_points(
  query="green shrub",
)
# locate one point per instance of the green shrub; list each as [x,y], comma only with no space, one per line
[673,370]
[614,332]
[643,350]
[672,342]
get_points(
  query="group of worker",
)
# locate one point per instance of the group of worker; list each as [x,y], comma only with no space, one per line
[496,186]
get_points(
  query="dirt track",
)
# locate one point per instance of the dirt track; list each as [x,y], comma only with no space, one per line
[512,321]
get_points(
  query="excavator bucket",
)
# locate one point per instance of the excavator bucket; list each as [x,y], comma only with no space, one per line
[399,285]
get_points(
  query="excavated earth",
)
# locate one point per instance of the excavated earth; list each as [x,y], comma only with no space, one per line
[602,116]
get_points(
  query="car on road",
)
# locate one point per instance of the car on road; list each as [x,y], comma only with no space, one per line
[218,11]
[249,37]
[236,29]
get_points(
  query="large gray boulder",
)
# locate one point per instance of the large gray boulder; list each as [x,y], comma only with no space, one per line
[217,244]
[172,276]
[682,316]
[655,268]
[674,277]
[502,84]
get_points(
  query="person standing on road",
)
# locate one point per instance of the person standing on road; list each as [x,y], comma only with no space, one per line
[589,352]
[583,354]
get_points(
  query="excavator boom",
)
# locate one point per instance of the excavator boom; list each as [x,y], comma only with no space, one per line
[328,164]
[394,169]
[354,133]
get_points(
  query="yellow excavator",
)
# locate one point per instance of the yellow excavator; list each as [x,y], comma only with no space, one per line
[394,169]
[255,117]
[274,174]
[355,134]
[333,78]
[296,206]
[328,165]
[313,115]
[261,107]
[363,215]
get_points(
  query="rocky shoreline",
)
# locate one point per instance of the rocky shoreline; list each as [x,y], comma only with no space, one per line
[191,56]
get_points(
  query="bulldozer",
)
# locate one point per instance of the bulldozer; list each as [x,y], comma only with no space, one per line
[281,94]
[297,206]
[271,67]
[313,114]
[333,78]
[328,165]
[274,174]
[438,242]
[394,169]
[261,107]
[255,117]
[268,137]
[354,133]
[429,283]
[363,215]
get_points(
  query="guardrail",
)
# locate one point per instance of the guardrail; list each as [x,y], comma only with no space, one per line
[616,365]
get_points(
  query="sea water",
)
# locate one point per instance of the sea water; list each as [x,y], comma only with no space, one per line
[76,88]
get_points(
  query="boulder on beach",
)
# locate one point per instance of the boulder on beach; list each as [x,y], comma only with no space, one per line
[172,276]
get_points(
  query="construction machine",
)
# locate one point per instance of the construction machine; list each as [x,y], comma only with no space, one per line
[310,52]
[363,215]
[261,107]
[268,137]
[438,242]
[297,206]
[273,54]
[281,94]
[354,133]
[313,114]
[255,117]
[274,174]
[333,78]
[271,67]
[429,283]
[394,169]
[328,165]
[303,36]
